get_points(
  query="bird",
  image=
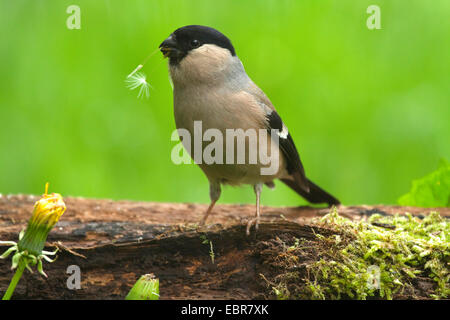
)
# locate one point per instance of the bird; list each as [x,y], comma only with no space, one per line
[211,87]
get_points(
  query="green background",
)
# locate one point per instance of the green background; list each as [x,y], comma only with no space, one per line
[368,109]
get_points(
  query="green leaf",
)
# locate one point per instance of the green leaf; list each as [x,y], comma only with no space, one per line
[8,252]
[41,269]
[15,260]
[433,190]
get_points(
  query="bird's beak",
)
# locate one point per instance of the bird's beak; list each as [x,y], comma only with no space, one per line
[168,47]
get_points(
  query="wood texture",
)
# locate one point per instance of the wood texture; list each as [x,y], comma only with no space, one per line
[114,242]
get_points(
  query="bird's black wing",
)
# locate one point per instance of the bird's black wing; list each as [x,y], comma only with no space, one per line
[287,147]
[300,184]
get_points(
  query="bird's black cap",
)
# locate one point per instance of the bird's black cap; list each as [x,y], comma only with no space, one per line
[187,38]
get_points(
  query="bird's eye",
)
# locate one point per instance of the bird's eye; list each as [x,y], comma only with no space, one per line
[195,43]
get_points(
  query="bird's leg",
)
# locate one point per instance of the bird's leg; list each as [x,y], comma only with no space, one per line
[214,194]
[258,189]
[255,220]
[205,216]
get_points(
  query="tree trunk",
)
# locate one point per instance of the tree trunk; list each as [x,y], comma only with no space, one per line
[115,242]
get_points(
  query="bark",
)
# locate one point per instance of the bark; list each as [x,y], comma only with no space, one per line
[114,242]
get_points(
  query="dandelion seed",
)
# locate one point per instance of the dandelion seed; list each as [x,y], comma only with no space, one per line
[139,67]
[138,80]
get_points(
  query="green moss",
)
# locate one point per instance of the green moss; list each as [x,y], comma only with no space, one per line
[362,260]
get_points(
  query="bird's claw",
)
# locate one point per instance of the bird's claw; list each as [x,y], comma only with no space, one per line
[254,221]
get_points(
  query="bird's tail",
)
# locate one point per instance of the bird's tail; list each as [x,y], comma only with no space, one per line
[315,194]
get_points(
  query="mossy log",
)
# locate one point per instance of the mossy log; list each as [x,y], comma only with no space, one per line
[114,242]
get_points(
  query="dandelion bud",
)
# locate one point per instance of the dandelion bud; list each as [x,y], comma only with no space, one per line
[29,251]
[46,214]
[146,288]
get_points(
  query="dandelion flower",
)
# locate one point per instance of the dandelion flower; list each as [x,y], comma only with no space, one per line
[46,214]
[29,250]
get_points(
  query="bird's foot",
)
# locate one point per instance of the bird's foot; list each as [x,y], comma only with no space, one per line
[254,221]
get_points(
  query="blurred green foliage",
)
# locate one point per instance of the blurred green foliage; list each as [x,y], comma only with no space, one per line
[433,190]
[368,109]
